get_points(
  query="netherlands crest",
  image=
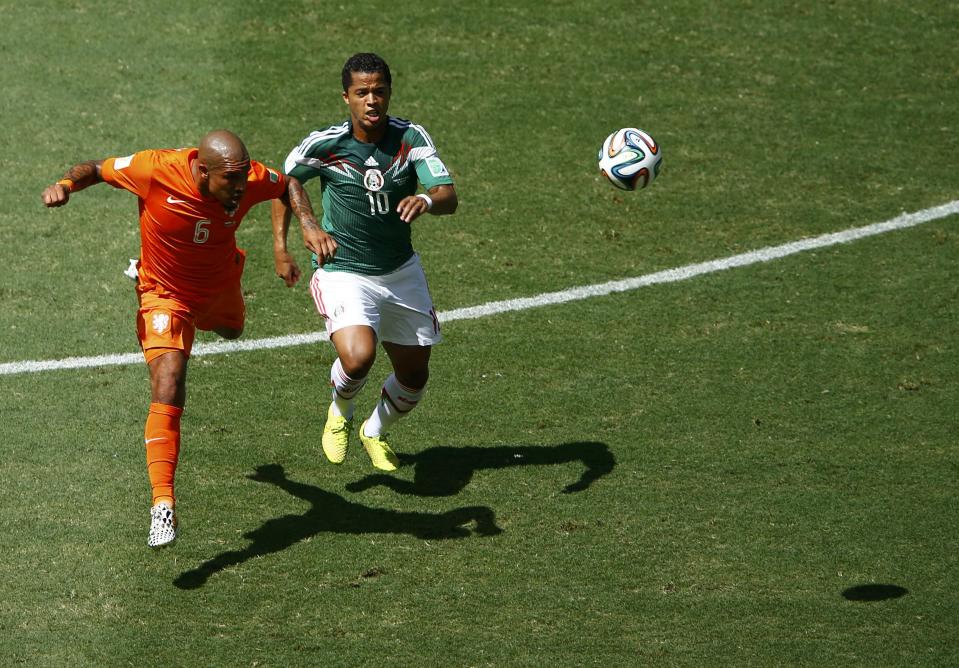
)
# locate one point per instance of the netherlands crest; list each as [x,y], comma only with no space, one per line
[160,322]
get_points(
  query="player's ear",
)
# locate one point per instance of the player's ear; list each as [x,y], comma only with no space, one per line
[346,97]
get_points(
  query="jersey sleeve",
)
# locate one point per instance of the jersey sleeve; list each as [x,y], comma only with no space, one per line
[132,172]
[265,183]
[430,169]
[304,161]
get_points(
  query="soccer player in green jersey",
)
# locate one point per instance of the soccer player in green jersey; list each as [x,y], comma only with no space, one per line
[368,283]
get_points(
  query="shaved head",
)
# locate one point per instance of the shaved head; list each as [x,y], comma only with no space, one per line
[223,149]
[222,168]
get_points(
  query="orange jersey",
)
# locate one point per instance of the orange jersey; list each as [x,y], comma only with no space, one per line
[187,242]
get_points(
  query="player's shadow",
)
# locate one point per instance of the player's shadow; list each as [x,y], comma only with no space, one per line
[330,512]
[445,471]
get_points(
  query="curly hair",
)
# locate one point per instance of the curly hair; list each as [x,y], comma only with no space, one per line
[365,62]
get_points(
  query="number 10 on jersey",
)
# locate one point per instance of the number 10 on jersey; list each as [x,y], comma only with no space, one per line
[379,202]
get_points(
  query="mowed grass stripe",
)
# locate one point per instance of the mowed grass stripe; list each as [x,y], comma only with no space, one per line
[768,254]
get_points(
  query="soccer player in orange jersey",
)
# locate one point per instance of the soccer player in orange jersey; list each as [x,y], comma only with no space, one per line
[191,203]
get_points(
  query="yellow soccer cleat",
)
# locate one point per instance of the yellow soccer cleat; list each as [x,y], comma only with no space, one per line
[336,436]
[380,452]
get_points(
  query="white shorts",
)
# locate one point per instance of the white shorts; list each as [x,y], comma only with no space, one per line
[398,305]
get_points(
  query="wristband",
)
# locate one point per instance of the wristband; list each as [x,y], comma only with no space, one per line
[426,198]
[66,183]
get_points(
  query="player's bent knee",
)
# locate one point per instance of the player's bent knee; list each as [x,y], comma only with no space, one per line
[357,365]
[415,380]
[168,379]
[169,392]
[229,332]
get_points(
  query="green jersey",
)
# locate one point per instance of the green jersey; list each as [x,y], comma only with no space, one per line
[362,185]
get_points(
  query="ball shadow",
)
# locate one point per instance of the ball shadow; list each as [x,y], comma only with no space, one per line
[874,592]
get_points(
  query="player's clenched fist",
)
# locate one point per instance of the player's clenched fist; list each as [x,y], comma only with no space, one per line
[56,195]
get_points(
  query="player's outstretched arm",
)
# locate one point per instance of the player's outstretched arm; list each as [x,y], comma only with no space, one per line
[286,267]
[77,178]
[441,201]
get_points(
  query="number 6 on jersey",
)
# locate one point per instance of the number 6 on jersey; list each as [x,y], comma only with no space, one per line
[201,233]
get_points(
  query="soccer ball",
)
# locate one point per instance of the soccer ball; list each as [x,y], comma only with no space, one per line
[630,159]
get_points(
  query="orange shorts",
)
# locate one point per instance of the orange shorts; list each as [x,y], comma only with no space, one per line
[166,322]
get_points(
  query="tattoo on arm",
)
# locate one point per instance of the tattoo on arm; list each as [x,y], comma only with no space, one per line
[300,203]
[84,174]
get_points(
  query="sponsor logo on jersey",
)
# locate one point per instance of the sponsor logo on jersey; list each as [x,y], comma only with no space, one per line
[161,321]
[437,168]
[122,163]
[373,179]
[371,162]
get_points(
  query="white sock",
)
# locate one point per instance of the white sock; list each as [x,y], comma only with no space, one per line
[395,402]
[344,390]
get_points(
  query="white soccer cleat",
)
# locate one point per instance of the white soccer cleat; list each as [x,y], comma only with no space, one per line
[131,271]
[162,525]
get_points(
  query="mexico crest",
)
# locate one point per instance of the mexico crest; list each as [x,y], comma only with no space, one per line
[373,179]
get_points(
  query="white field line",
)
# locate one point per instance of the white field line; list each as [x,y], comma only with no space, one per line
[903,221]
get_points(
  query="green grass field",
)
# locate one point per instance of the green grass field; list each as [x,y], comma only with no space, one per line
[751,467]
